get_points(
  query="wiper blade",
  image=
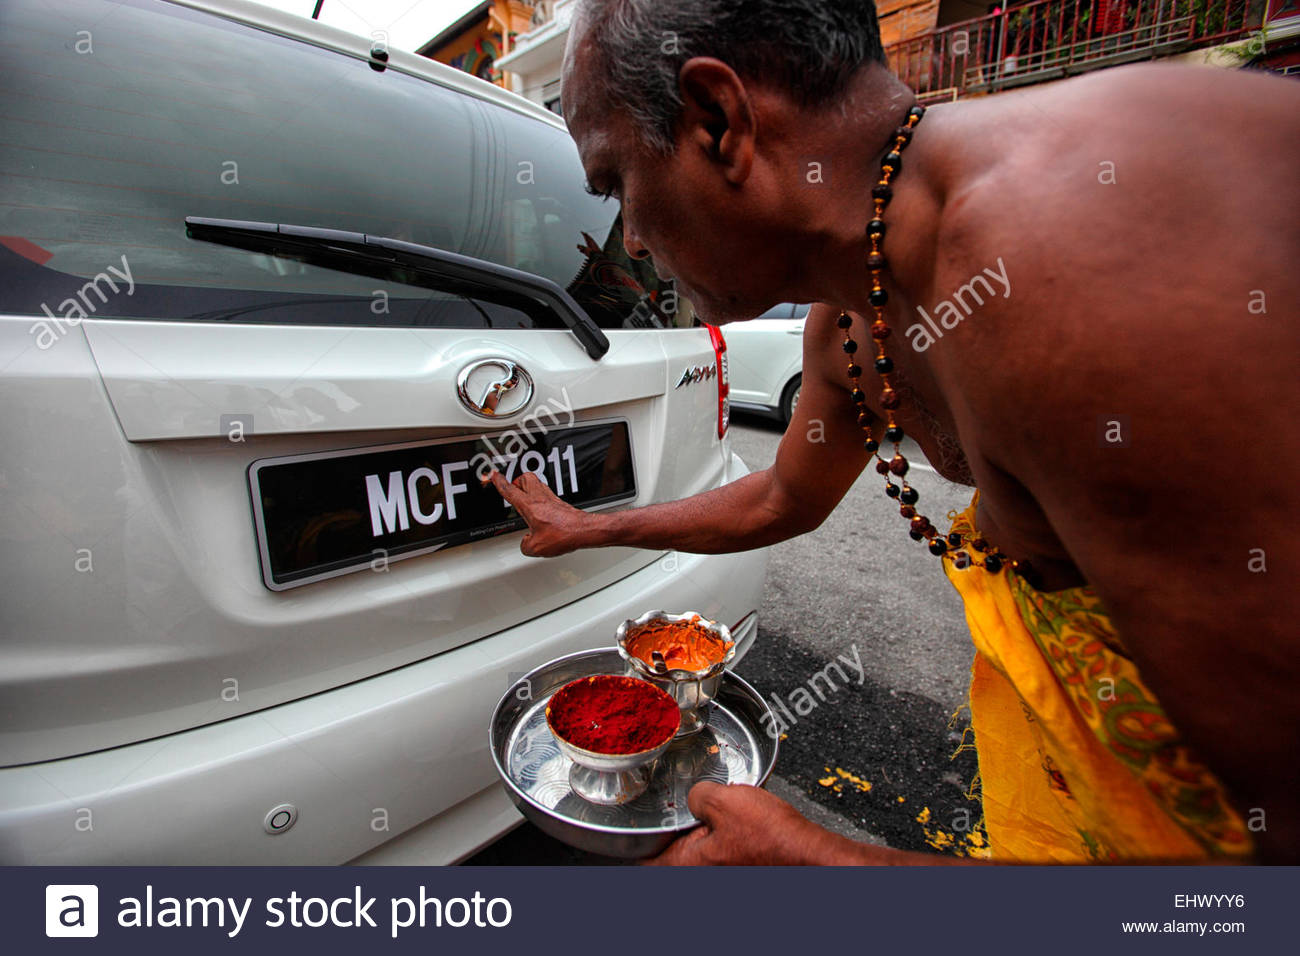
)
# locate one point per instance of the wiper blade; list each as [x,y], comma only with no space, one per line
[410,263]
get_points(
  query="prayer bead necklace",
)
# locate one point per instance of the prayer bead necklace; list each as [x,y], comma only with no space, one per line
[956,547]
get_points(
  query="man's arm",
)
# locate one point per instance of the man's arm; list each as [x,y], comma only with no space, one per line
[819,458]
[747,826]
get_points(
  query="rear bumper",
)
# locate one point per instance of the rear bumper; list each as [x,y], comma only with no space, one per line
[394,768]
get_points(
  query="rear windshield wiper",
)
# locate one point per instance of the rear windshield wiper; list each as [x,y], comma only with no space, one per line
[407,262]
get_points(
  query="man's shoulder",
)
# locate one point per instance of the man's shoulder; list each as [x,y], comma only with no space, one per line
[1172,117]
[1091,181]
[822,340]
[1156,95]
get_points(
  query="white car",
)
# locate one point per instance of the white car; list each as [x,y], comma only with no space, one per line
[271,302]
[765,356]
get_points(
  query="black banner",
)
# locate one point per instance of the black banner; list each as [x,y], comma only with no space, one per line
[650,910]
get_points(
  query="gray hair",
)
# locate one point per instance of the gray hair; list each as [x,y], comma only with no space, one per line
[810,48]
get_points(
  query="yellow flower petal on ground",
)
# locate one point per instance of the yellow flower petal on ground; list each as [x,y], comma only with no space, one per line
[862,785]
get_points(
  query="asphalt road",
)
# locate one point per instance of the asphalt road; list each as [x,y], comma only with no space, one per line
[875,759]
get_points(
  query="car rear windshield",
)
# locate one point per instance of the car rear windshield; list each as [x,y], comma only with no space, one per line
[118,120]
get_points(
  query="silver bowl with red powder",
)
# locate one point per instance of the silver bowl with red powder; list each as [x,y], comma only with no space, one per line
[609,779]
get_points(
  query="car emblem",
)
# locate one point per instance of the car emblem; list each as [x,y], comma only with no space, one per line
[696,374]
[494,388]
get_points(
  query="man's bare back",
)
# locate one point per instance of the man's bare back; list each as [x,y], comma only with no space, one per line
[1132,250]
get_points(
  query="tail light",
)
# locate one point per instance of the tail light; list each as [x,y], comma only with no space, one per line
[724,386]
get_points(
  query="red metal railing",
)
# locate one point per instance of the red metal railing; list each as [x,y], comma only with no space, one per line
[1048,39]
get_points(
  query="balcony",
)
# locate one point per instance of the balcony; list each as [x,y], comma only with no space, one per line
[1050,39]
[540,49]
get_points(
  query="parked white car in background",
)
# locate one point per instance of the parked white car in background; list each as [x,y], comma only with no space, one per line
[270,303]
[766,361]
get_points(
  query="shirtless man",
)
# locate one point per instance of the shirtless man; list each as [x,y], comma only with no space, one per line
[1146,219]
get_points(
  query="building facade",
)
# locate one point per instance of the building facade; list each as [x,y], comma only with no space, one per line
[1021,43]
[538,53]
[950,49]
[481,38]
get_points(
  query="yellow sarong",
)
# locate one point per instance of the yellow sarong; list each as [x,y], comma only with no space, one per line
[1077,760]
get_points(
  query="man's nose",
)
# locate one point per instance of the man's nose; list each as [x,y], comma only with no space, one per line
[632,243]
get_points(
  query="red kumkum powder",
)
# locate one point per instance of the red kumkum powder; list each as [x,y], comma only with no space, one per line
[612,715]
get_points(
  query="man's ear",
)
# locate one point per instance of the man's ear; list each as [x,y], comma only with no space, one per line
[717,116]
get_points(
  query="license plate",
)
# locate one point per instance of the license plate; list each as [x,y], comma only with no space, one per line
[318,516]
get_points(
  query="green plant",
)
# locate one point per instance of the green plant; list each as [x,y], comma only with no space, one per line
[1251,47]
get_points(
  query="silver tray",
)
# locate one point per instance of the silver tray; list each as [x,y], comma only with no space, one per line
[733,748]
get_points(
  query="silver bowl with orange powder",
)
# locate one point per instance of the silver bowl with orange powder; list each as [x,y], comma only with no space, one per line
[685,655]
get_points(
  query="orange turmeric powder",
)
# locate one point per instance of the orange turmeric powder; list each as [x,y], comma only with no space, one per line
[685,645]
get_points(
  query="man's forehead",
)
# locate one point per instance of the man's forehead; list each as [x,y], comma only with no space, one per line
[587,110]
[576,67]
[593,125]
[599,160]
